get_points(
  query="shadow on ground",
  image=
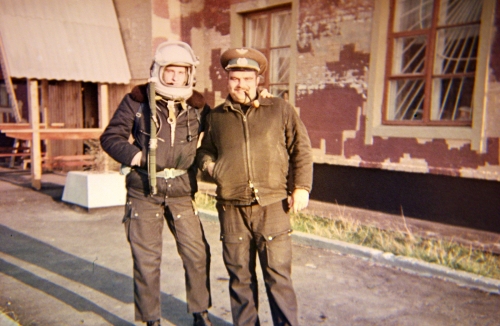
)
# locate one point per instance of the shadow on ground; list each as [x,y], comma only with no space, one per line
[104,280]
[22,178]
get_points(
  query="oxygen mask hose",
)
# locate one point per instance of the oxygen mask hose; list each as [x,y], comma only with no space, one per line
[153,142]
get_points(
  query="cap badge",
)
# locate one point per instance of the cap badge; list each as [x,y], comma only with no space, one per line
[242,62]
[242,51]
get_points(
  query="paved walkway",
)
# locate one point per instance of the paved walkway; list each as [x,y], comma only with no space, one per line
[62,265]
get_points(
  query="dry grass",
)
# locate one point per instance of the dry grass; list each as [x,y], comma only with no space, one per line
[403,243]
[443,252]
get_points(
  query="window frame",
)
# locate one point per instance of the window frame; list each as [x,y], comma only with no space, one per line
[238,11]
[269,48]
[375,106]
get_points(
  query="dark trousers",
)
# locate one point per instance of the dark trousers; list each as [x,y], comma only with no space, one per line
[144,220]
[247,231]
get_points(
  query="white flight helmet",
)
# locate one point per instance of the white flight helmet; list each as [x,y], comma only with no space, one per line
[174,53]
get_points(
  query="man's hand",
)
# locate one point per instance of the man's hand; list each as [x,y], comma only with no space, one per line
[210,168]
[136,161]
[200,138]
[298,200]
[265,94]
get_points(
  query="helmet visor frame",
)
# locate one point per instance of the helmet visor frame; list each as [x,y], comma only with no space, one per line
[187,81]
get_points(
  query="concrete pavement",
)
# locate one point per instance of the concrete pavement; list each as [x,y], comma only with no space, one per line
[62,265]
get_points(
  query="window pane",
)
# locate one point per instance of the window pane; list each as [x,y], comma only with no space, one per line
[281,29]
[279,66]
[413,15]
[460,11]
[454,99]
[456,50]
[256,32]
[409,55]
[408,99]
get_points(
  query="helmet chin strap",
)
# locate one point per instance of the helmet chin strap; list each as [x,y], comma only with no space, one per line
[172,118]
[170,92]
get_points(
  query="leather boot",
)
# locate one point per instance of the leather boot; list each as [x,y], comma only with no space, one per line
[153,323]
[201,319]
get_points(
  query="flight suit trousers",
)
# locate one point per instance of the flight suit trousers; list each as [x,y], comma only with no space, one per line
[144,221]
[248,231]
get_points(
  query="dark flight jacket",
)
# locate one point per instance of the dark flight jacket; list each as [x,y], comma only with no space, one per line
[133,118]
[254,152]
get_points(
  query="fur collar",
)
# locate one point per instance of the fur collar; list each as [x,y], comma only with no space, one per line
[140,94]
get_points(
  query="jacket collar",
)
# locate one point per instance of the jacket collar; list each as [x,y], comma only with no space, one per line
[140,94]
[229,103]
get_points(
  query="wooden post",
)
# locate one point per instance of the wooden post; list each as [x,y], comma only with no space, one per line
[104,115]
[34,119]
[45,113]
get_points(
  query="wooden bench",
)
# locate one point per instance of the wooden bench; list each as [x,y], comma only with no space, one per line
[14,151]
[71,161]
[63,161]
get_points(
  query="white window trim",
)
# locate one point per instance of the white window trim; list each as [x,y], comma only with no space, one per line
[378,53]
[236,31]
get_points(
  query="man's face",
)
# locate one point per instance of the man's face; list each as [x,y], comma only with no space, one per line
[175,76]
[241,82]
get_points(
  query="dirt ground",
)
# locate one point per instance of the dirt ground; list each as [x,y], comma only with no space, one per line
[62,265]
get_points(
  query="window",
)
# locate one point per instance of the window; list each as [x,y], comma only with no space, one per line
[432,55]
[429,70]
[271,33]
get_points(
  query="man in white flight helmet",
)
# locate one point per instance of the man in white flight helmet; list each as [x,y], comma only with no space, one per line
[162,180]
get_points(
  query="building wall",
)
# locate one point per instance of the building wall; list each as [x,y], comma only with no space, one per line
[135,20]
[65,100]
[333,68]
[435,179]
[331,72]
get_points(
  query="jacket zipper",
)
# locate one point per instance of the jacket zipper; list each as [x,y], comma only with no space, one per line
[247,147]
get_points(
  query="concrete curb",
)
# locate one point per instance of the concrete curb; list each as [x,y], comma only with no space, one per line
[5,320]
[405,263]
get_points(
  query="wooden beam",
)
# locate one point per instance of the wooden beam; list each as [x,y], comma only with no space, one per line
[13,126]
[34,120]
[25,125]
[45,113]
[54,133]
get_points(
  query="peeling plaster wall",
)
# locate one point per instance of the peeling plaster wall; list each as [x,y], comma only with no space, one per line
[206,28]
[134,17]
[333,54]
[333,67]
[204,24]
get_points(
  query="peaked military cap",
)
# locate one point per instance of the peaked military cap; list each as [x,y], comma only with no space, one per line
[243,59]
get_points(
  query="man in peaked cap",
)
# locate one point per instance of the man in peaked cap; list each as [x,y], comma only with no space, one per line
[244,58]
[259,154]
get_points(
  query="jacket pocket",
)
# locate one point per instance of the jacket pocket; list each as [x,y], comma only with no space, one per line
[279,250]
[129,211]
[183,209]
[184,223]
[236,250]
[127,217]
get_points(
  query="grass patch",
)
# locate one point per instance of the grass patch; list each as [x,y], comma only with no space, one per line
[443,252]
